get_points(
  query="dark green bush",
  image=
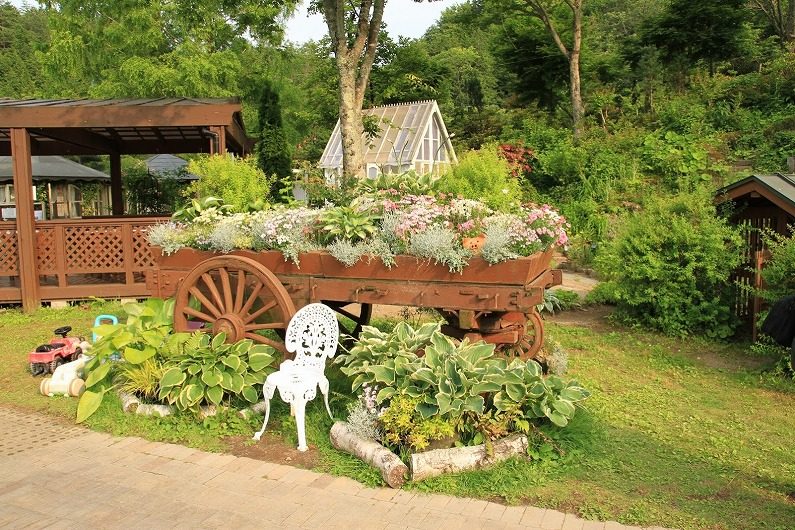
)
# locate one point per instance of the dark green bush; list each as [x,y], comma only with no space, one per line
[779,271]
[668,267]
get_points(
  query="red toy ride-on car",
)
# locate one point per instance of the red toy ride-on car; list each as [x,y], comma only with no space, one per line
[47,357]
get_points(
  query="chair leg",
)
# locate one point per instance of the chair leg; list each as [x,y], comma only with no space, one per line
[300,409]
[328,409]
[258,435]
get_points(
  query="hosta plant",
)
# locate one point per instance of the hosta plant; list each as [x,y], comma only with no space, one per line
[210,371]
[376,347]
[147,331]
[526,389]
[458,382]
[346,222]
[448,379]
[199,206]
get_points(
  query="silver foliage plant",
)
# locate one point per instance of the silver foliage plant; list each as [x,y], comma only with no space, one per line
[345,251]
[440,245]
[169,236]
[230,233]
[363,415]
[350,253]
[498,245]
[554,356]
[390,221]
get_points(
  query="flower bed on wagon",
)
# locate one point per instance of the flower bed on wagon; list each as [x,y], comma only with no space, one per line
[380,224]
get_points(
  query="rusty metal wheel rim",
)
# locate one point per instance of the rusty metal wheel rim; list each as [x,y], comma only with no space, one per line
[529,342]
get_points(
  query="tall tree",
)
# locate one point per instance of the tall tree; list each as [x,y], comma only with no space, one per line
[780,15]
[273,155]
[354,28]
[107,48]
[21,35]
[542,9]
[708,30]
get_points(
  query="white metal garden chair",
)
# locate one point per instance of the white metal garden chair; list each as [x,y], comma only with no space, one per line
[312,335]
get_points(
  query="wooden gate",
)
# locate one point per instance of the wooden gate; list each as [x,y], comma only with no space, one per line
[755,221]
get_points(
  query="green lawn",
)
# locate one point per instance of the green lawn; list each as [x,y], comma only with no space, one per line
[678,433]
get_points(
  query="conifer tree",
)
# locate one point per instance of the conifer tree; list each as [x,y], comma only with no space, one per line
[273,154]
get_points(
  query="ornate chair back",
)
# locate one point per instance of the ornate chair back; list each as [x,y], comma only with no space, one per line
[312,336]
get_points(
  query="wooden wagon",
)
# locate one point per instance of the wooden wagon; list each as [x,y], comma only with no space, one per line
[244,292]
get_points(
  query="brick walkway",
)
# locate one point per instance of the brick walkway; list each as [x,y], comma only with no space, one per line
[59,476]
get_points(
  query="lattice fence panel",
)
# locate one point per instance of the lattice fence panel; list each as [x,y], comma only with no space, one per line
[142,255]
[46,251]
[98,248]
[9,255]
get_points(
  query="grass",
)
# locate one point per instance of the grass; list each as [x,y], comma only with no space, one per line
[678,433]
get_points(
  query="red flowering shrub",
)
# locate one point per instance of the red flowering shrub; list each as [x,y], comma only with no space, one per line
[519,157]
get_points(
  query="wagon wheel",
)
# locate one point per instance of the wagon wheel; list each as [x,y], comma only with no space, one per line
[236,295]
[359,313]
[530,342]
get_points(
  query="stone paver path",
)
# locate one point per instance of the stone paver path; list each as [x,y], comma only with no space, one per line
[58,476]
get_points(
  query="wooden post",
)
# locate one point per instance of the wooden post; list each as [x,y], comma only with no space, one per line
[116,193]
[26,226]
[128,253]
[218,142]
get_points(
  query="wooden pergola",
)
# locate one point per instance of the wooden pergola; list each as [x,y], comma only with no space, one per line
[112,127]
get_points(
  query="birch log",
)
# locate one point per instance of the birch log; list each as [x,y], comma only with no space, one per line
[439,461]
[129,403]
[392,469]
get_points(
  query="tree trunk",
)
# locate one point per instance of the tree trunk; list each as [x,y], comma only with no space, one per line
[577,110]
[538,9]
[351,127]
[434,463]
[354,50]
[393,470]
[783,23]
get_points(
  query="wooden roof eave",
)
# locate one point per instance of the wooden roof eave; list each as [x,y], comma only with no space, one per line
[119,116]
[236,132]
[754,185]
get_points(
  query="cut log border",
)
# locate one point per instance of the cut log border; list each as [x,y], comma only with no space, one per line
[392,468]
[439,461]
[132,405]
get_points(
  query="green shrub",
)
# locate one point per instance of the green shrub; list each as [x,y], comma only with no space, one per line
[681,161]
[239,182]
[148,194]
[483,175]
[779,271]
[668,267]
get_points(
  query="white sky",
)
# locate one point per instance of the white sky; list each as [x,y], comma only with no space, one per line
[403,18]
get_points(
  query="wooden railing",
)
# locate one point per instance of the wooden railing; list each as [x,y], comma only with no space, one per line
[81,258]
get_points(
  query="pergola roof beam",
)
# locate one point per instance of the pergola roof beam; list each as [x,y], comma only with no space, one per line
[78,137]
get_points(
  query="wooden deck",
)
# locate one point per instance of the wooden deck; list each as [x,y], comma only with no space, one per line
[81,258]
